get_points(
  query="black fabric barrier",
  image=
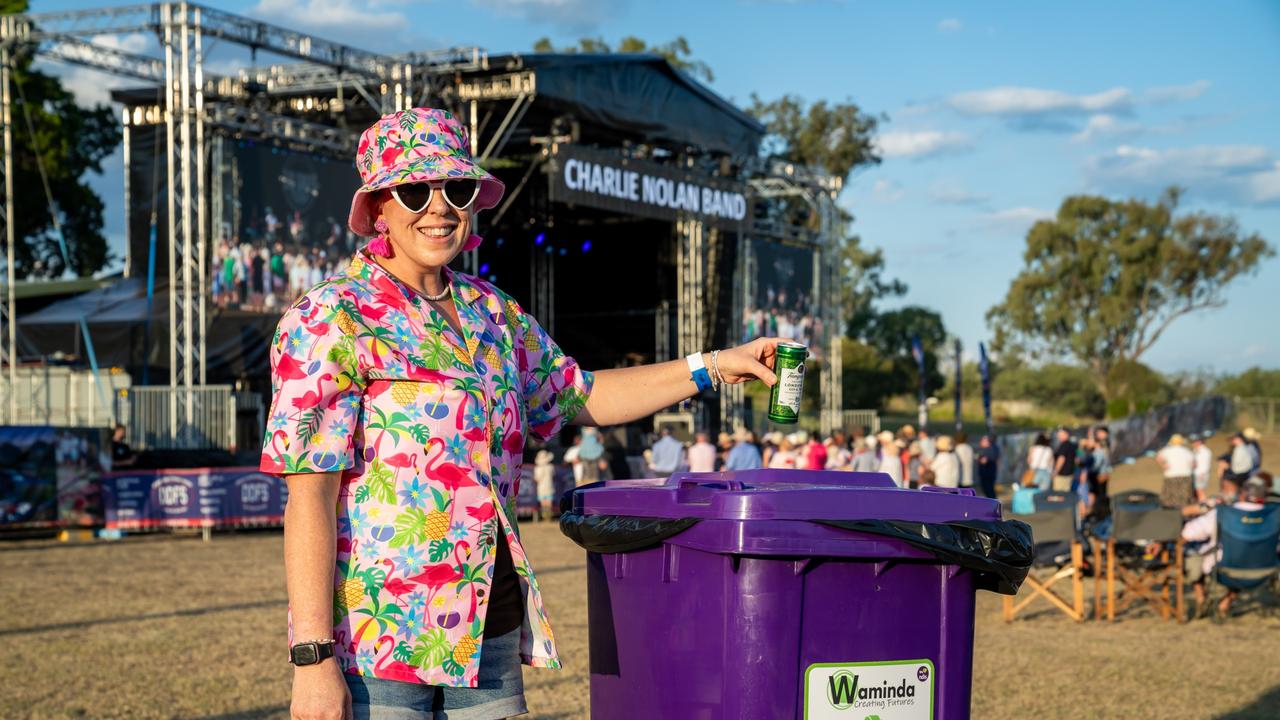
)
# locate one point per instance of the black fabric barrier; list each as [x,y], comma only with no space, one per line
[999,552]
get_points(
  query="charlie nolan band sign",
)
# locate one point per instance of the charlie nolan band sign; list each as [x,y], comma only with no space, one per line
[585,176]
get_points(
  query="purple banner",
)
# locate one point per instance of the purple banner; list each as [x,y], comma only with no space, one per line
[203,497]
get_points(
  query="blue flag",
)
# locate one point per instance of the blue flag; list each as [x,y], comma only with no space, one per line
[959,380]
[917,352]
[984,369]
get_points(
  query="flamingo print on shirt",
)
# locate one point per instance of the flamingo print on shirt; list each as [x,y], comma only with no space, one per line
[427,428]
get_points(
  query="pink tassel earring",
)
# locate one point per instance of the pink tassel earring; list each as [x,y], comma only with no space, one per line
[379,245]
[473,242]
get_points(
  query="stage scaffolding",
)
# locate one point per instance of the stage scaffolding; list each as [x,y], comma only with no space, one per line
[780,182]
[311,101]
[197,109]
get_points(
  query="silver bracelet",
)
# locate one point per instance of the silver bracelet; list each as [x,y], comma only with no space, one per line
[716,378]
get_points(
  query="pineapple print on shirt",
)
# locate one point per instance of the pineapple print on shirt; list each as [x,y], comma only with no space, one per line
[427,429]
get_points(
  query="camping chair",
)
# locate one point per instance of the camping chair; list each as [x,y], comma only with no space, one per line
[1248,539]
[1052,530]
[1050,500]
[1137,517]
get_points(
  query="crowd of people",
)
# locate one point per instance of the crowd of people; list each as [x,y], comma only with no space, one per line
[910,457]
[275,262]
[1082,466]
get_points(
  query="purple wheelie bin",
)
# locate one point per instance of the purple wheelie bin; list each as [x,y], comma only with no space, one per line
[771,594]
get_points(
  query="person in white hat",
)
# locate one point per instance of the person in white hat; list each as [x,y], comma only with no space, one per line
[1178,462]
[945,465]
[544,478]
[784,458]
[890,462]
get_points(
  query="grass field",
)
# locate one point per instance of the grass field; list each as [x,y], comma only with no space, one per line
[171,627]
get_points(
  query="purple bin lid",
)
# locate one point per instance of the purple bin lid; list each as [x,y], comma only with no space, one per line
[782,495]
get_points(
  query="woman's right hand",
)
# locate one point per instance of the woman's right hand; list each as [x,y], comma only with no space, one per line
[320,693]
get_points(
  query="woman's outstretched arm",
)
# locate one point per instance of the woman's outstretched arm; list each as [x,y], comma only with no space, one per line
[625,394]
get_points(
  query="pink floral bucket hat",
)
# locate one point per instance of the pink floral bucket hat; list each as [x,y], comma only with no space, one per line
[412,146]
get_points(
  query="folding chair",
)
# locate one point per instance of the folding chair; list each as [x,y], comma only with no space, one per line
[1248,539]
[1049,500]
[1137,517]
[1052,530]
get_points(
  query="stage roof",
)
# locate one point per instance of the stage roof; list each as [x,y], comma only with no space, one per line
[635,97]
[640,95]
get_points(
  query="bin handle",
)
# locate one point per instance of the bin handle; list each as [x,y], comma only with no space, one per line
[728,484]
[698,492]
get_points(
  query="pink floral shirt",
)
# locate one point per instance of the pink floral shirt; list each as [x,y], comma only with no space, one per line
[428,430]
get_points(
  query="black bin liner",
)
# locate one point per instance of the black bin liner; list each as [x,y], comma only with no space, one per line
[1000,553]
[620,533]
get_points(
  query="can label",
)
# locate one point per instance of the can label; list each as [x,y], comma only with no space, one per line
[790,388]
[888,690]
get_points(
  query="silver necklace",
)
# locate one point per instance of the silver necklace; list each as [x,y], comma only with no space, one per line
[443,293]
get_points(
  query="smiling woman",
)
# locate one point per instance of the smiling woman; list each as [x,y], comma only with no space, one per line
[404,393]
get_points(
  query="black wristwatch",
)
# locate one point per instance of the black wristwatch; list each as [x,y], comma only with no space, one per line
[310,653]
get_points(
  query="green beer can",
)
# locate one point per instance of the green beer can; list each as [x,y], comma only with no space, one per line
[784,400]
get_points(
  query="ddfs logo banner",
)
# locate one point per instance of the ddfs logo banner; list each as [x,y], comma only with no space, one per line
[213,497]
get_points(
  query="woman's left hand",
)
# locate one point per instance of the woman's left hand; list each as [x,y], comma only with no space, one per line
[753,361]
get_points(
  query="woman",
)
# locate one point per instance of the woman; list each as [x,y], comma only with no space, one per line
[890,459]
[784,458]
[945,464]
[403,395]
[1040,462]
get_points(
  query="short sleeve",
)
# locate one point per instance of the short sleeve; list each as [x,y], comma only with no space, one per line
[316,388]
[555,388]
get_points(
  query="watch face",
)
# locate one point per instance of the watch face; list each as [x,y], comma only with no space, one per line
[305,654]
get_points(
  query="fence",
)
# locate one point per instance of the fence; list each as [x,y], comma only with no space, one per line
[869,419]
[148,413]
[1261,412]
[758,421]
[1131,437]
[63,397]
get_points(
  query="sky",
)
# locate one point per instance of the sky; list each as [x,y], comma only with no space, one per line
[996,112]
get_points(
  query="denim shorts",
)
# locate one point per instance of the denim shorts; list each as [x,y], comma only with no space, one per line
[498,694]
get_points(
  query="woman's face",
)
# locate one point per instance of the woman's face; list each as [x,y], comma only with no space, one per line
[429,239]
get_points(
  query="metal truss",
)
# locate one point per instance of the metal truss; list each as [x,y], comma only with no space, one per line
[10,337]
[194,105]
[78,51]
[155,17]
[780,181]
[238,120]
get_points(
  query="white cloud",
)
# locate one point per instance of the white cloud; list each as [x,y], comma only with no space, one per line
[951,193]
[344,21]
[950,25]
[921,143]
[887,191]
[1029,108]
[1013,220]
[1106,126]
[93,87]
[1176,93]
[575,15]
[1231,174]
[1015,101]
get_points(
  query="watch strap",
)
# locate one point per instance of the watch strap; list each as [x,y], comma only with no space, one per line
[311,652]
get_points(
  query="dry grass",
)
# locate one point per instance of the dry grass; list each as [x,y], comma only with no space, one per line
[170,627]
